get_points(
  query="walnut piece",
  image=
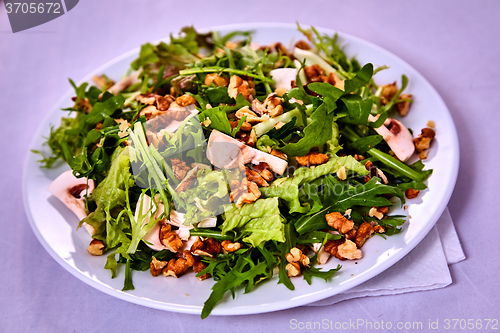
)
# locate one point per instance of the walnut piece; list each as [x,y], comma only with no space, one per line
[375,213]
[96,247]
[270,106]
[342,174]
[159,102]
[303,45]
[349,250]
[208,247]
[296,256]
[156,266]
[255,177]
[239,86]
[243,192]
[219,81]
[404,106]
[379,229]
[279,154]
[364,232]
[338,221]
[388,93]
[170,239]
[411,193]
[292,269]
[185,100]
[312,159]
[229,246]
[176,267]
[180,168]
[423,141]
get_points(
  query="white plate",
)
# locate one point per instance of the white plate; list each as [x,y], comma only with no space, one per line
[55,225]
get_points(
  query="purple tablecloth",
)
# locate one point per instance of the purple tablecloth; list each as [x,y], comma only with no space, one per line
[454,44]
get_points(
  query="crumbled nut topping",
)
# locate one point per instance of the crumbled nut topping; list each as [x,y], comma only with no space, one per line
[96,247]
[338,221]
[207,247]
[255,177]
[170,239]
[271,106]
[364,232]
[179,168]
[219,81]
[185,100]
[239,86]
[423,141]
[312,159]
[176,267]
[156,266]
[404,106]
[293,269]
[379,229]
[411,193]
[388,92]
[348,250]
[244,192]
[375,213]
[229,246]
[342,174]
[279,154]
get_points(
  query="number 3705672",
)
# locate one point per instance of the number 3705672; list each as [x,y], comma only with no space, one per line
[33,7]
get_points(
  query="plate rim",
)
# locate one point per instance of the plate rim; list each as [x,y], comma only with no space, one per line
[264,308]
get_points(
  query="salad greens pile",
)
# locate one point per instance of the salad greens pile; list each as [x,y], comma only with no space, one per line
[117,140]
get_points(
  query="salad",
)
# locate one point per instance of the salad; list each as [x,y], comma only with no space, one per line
[237,161]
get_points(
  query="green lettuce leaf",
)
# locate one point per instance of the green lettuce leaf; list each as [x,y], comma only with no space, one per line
[256,222]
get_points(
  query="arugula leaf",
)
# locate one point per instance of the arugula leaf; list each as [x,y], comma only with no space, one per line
[309,272]
[363,144]
[356,108]
[244,272]
[361,79]
[316,134]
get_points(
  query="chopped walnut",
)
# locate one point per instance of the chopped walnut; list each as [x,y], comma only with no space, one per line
[190,177]
[244,192]
[375,213]
[411,193]
[229,246]
[102,82]
[239,86]
[382,176]
[314,73]
[312,159]
[338,221]
[331,246]
[185,100]
[176,267]
[180,168]
[383,209]
[364,232]
[255,177]
[303,45]
[388,93]
[156,266]
[379,229]
[293,269]
[423,141]
[198,267]
[251,117]
[219,81]
[208,247]
[404,106]
[170,239]
[271,106]
[296,255]
[279,154]
[348,250]
[159,102]
[96,247]
[358,157]
[342,174]
[264,170]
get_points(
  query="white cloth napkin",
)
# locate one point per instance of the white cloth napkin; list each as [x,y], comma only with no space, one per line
[424,268]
